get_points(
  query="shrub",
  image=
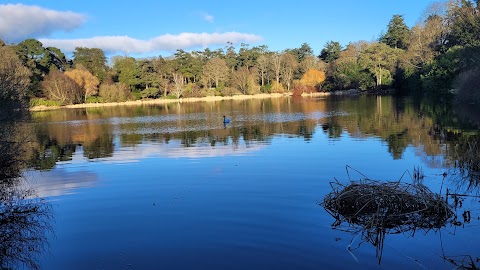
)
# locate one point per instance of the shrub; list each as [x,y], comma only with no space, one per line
[253,87]
[313,77]
[193,90]
[229,91]
[266,89]
[151,92]
[117,92]
[92,99]
[136,95]
[277,88]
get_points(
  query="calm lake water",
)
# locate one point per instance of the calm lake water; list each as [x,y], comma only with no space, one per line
[171,187]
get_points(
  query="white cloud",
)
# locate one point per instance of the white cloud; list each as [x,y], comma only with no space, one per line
[208,18]
[174,149]
[167,42]
[18,21]
[59,181]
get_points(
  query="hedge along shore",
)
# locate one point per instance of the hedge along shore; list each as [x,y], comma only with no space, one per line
[180,100]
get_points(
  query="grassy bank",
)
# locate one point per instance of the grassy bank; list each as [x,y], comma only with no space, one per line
[164,101]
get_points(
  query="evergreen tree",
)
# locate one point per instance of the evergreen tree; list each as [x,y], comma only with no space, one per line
[465,27]
[397,33]
[93,59]
[331,51]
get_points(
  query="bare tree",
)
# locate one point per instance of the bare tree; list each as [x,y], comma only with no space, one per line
[424,38]
[59,87]
[263,64]
[215,70]
[276,62]
[85,80]
[312,62]
[163,69]
[288,66]
[117,92]
[240,79]
[178,83]
[14,77]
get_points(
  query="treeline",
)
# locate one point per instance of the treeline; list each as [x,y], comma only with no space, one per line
[438,54]
[57,80]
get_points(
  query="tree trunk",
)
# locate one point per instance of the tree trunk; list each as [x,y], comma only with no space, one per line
[381,75]
[378,75]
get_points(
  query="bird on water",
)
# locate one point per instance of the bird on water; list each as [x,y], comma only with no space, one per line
[226,120]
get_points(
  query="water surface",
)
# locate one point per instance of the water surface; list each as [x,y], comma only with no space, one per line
[172,187]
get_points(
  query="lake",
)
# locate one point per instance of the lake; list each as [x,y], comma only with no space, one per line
[172,187]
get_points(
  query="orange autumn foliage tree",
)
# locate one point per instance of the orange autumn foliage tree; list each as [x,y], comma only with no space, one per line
[85,80]
[313,78]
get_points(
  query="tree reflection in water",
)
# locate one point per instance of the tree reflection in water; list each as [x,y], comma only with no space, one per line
[465,172]
[25,219]
[25,223]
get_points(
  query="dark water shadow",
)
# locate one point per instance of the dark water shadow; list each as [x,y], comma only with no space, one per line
[25,219]
[25,226]
[464,175]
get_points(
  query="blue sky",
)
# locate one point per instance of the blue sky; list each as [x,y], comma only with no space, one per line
[155,27]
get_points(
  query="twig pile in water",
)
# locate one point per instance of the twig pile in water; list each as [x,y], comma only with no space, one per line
[393,206]
[378,208]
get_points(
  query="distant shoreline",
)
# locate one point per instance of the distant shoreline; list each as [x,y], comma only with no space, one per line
[180,100]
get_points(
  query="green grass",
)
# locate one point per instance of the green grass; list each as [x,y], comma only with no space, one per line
[169,97]
[93,99]
[43,102]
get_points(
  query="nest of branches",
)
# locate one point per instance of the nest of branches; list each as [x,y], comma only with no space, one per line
[374,209]
[393,206]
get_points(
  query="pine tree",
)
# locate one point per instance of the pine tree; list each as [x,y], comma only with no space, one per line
[397,33]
